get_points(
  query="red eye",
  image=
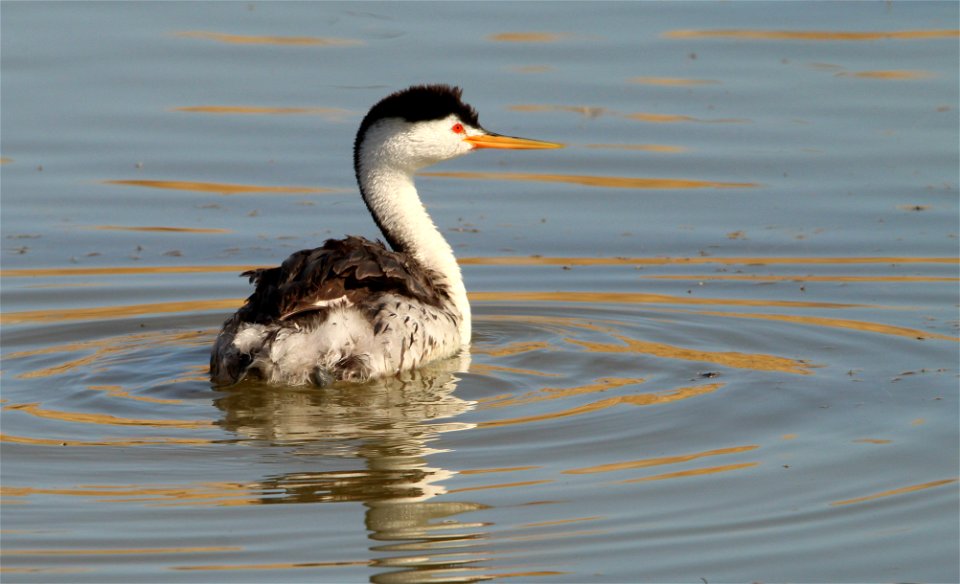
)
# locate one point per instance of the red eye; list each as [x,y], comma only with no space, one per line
[458,128]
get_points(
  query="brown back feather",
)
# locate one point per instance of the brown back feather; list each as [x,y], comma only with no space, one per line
[354,267]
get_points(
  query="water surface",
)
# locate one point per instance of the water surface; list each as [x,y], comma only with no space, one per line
[715,338]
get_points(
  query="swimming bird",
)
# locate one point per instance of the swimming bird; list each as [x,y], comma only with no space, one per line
[352,309]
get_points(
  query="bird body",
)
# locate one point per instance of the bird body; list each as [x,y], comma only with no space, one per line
[352,309]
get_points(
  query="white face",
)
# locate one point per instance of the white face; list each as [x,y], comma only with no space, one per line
[412,146]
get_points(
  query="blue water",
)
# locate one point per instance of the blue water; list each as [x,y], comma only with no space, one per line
[715,338]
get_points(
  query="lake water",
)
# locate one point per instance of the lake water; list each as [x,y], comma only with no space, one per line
[716,337]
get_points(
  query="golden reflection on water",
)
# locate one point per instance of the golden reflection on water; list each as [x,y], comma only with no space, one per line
[550,393]
[562,324]
[556,535]
[512,485]
[123,311]
[207,493]
[616,182]
[872,441]
[34,409]
[476,471]
[673,81]
[274,566]
[121,551]
[35,570]
[485,369]
[102,348]
[644,399]
[110,443]
[118,391]
[99,350]
[641,298]
[270,40]
[737,360]
[120,271]
[896,75]
[692,473]
[811,35]
[105,312]
[859,325]
[893,492]
[560,522]
[648,462]
[219,188]
[116,344]
[514,348]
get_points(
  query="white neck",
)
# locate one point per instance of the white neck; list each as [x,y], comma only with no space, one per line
[393,200]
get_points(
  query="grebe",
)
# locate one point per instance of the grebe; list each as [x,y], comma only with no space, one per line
[352,309]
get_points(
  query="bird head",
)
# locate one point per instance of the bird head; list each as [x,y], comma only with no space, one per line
[424,125]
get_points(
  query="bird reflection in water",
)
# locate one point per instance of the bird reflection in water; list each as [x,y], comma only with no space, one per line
[388,426]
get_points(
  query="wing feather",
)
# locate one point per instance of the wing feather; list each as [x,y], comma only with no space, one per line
[351,270]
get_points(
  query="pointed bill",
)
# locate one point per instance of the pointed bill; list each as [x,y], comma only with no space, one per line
[509,142]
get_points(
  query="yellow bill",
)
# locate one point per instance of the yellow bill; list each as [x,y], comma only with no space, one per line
[509,142]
